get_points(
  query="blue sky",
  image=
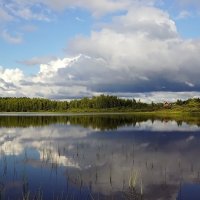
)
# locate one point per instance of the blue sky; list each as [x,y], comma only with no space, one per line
[145,49]
[43,38]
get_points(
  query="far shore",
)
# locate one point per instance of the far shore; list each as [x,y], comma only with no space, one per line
[99,112]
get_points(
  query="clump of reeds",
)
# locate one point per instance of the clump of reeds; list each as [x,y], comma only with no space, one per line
[132,192]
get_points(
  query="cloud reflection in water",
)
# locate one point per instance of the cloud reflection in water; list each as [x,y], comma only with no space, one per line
[162,155]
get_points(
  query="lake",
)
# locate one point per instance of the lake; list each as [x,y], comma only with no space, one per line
[99,157]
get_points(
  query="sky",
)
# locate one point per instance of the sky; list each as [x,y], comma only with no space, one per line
[67,49]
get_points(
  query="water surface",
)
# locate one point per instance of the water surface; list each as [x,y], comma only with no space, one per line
[99,157]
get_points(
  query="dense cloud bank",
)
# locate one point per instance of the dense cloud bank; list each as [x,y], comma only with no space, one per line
[138,54]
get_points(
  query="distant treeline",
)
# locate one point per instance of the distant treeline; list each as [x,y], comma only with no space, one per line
[98,103]
[24,104]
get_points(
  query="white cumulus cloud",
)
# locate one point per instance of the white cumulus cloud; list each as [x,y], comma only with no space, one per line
[138,52]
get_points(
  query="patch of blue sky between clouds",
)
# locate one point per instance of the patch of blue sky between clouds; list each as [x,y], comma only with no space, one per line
[49,38]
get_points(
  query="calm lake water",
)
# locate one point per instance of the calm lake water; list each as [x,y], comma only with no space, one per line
[99,157]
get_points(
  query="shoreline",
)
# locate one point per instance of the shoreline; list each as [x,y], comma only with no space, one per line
[71,113]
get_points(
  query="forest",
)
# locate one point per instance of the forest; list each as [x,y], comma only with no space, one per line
[24,104]
[97,103]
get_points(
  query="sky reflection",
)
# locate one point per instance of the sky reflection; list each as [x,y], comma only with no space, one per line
[160,156]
